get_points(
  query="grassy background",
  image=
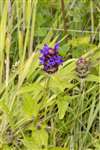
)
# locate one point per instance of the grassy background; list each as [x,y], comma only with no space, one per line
[50,112]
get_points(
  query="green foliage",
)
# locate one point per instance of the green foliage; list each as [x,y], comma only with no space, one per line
[51,112]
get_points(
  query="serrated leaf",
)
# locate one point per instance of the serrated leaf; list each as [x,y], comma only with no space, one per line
[62,103]
[58,84]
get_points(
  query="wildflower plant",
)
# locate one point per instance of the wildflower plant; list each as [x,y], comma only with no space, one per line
[50,59]
[82,67]
[36,113]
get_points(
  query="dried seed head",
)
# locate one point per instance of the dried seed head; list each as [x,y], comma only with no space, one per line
[82,67]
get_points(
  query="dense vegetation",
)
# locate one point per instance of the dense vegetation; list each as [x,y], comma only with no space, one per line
[40,110]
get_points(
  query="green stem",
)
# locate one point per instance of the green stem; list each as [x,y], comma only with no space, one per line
[63,15]
[45,94]
[82,95]
[92,20]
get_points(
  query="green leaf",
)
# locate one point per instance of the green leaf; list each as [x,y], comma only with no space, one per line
[41,31]
[79,41]
[40,138]
[38,141]
[29,88]
[59,83]
[93,78]
[6,147]
[64,49]
[62,103]
[30,106]
[58,148]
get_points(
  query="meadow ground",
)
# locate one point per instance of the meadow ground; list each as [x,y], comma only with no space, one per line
[49,74]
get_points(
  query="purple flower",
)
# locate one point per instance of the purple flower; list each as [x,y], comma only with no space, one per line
[50,58]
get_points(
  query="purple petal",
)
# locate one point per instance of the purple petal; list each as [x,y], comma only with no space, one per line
[46,47]
[59,62]
[42,60]
[41,51]
[56,47]
[45,50]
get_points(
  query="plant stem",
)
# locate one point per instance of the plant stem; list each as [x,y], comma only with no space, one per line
[92,20]
[44,99]
[99,84]
[33,26]
[46,93]
[63,14]
[82,92]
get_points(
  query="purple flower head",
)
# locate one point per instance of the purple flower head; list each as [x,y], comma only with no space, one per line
[50,58]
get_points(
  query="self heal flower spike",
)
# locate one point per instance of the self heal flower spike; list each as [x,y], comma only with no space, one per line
[50,58]
[82,67]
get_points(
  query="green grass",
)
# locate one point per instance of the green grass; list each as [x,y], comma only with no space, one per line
[50,112]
